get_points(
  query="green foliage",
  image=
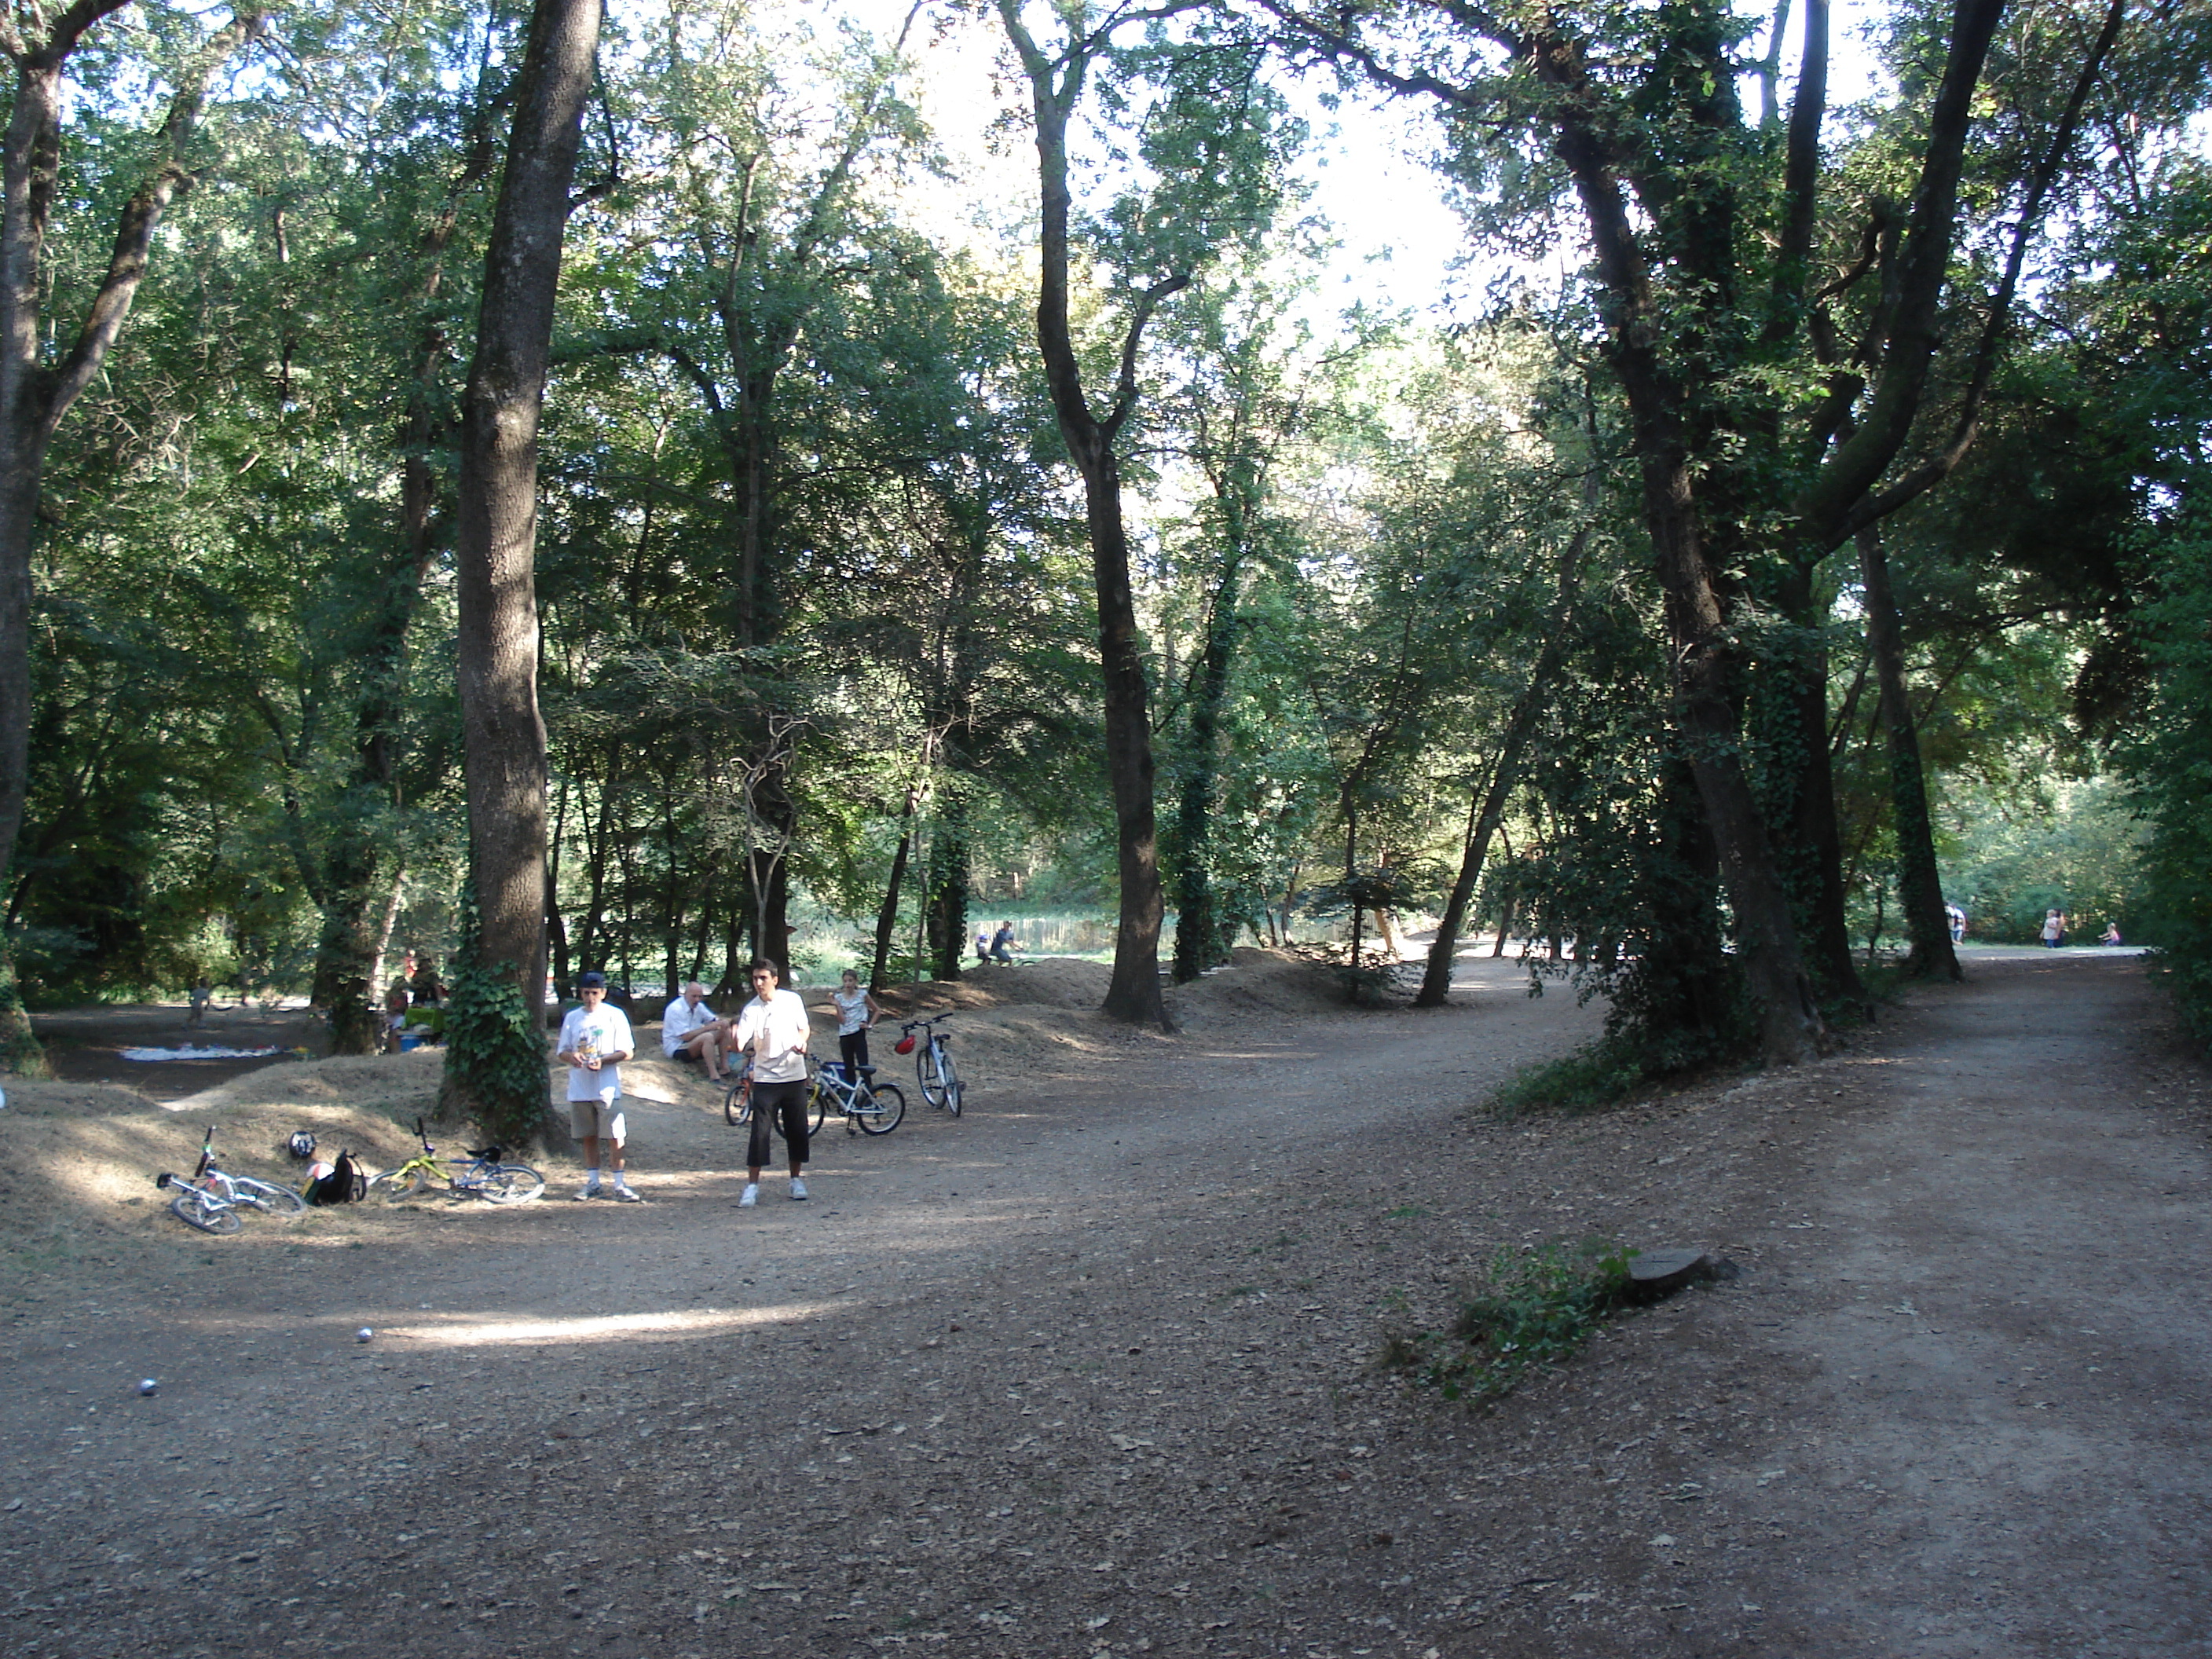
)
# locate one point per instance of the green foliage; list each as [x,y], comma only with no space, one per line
[1537,1308]
[494,1044]
[1601,1074]
[2172,762]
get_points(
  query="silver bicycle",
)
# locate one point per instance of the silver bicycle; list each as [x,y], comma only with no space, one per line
[213,1198]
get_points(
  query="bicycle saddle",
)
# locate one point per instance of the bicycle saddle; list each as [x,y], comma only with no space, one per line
[489,1154]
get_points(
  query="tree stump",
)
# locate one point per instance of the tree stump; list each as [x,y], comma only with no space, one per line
[1654,1275]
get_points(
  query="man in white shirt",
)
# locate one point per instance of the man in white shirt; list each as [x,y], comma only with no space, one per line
[774,1026]
[690,1029]
[595,1040]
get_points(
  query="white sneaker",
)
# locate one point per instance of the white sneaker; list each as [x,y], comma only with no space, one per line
[750,1196]
[590,1191]
[798,1188]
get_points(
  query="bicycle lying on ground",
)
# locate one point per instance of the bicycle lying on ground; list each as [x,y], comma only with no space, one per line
[932,1064]
[484,1176]
[737,1105]
[212,1199]
[873,1107]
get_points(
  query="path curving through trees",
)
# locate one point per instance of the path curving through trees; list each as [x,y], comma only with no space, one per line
[1090,1371]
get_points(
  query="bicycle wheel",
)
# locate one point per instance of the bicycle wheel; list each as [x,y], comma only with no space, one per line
[737,1105]
[204,1211]
[884,1114]
[928,1075]
[268,1197]
[951,1086]
[508,1183]
[818,1108]
[397,1186]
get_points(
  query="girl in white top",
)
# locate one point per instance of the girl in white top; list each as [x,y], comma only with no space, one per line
[856,1013]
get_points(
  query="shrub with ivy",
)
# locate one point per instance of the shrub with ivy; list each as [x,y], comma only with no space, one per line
[494,1048]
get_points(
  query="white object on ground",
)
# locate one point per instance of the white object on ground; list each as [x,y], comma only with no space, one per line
[200,1054]
[148,1386]
[363,1334]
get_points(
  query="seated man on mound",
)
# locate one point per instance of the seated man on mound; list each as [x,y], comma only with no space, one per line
[690,1029]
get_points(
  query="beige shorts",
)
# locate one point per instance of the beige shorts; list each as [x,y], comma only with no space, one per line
[598,1119]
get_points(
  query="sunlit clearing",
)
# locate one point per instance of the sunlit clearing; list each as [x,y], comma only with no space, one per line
[703,1322]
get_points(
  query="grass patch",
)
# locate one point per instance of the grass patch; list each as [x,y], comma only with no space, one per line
[1590,1080]
[1536,1308]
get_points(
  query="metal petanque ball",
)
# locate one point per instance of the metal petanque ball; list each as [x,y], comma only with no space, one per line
[150,1386]
[363,1334]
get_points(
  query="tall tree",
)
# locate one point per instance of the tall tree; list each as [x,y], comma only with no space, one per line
[1705,235]
[1211,142]
[495,549]
[36,391]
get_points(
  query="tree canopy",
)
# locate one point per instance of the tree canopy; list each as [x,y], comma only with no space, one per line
[1802,531]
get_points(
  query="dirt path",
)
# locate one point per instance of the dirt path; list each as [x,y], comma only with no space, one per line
[1087,1371]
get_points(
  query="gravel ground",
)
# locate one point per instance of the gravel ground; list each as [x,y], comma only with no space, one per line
[1090,1371]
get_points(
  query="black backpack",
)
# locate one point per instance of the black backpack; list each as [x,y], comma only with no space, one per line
[344,1184]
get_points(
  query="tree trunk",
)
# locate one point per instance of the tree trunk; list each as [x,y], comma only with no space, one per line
[1435,978]
[1133,995]
[948,898]
[495,535]
[496,521]
[1800,791]
[1197,941]
[37,384]
[887,918]
[1919,885]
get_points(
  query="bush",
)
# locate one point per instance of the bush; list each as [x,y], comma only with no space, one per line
[1538,1308]
[1600,1075]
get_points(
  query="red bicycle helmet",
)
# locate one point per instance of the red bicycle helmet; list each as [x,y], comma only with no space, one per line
[903,1046]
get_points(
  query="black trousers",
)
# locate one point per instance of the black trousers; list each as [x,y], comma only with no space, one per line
[768,1099]
[852,1046]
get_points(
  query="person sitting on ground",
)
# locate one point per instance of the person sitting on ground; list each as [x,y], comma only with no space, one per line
[2113,933]
[691,1030]
[1004,944]
[395,1015]
[595,1039]
[856,1013]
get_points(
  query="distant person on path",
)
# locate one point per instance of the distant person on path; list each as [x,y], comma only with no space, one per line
[595,1040]
[984,944]
[690,1029]
[1957,918]
[203,994]
[856,1013]
[2054,929]
[1004,944]
[775,1027]
[429,990]
[2113,933]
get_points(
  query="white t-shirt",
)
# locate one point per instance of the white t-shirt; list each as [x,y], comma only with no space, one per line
[852,1012]
[777,1031]
[680,1021]
[608,1029]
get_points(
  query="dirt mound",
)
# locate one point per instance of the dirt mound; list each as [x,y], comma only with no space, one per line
[1043,983]
[1255,982]
[78,1177]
